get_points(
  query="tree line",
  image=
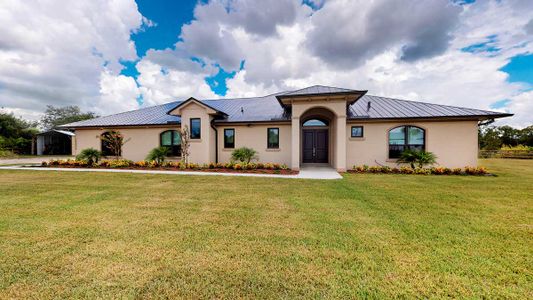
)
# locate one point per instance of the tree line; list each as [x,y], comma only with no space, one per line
[16,134]
[496,137]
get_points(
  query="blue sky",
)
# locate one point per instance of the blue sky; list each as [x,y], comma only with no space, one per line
[149,52]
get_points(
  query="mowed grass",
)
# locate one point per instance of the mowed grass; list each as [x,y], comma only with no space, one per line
[95,235]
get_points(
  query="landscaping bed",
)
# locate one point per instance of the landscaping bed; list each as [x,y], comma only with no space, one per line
[477,171]
[250,168]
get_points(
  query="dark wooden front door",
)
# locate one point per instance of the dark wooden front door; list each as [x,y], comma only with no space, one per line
[315,145]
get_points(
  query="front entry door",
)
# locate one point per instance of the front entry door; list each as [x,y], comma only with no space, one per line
[315,146]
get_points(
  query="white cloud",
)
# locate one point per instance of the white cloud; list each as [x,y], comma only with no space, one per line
[56,52]
[285,45]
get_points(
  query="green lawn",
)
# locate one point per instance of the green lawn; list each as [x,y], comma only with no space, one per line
[88,235]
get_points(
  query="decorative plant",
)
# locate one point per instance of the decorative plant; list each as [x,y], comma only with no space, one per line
[185,144]
[417,158]
[244,154]
[158,155]
[114,141]
[90,155]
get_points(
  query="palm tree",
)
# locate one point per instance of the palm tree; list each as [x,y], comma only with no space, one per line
[420,158]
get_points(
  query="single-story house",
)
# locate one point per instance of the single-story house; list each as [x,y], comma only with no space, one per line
[315,125]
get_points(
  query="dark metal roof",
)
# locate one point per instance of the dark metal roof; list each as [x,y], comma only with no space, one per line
[268,109]
[389,108]
[154,115]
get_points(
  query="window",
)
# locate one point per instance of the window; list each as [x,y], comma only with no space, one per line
[107,140]
[273,138]
[357,131]
[229,138]
[314,123]
[406,137]
[196,131]
[172,140]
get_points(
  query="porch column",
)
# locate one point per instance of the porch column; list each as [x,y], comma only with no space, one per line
[340,147]
[295,145]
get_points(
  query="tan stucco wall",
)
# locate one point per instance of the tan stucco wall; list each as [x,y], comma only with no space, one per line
[201,150]
[255,136]
[455,143]
[142,140]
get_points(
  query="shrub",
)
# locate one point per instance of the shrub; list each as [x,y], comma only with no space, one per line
[237,167]
[158,155]
[406,170]
[422,171]
[244,154]
[438,171]
[141,164]
[457,171]
[119,163]
[417,158]
[90,155]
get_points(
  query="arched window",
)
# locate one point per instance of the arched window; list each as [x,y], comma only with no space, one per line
[172,140]
[406,137]
[111,142]
[315,123]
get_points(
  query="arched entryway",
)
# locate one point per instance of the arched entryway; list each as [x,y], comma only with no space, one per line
[316,137]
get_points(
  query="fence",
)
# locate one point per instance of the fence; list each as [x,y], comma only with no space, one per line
[518,154]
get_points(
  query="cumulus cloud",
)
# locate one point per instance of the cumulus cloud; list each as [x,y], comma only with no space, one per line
[408,49]
[55,52]
[345,32]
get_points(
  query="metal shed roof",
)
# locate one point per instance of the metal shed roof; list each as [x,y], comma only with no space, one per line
[268,109]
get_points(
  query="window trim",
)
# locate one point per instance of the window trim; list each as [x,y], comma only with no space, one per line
[200,133]
[173,132]
[357,136]
[227,146]
[268,140]
[406,144]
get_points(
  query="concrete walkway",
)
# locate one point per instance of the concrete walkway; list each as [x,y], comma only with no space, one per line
[30,160]
[306,172]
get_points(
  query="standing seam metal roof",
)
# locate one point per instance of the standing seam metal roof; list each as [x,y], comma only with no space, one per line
[267,108]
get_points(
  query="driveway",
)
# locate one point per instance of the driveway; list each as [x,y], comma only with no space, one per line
[29,160]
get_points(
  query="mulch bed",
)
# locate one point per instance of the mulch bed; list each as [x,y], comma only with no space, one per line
[215,170]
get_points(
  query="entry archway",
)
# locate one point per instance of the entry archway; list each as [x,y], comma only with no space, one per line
[316,138]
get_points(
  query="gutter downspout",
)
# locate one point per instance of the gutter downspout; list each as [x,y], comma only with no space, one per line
[216,140]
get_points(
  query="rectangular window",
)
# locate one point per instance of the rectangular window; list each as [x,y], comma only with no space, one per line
[196,132]
[357,131]
[273,138]
[229,138]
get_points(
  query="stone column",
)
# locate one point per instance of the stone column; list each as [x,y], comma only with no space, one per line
[340,147]
[295,146]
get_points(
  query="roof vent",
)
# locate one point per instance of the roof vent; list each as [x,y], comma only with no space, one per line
[242,110]
[368,105]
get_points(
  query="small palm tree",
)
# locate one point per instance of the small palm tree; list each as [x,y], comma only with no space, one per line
[91,155]
[158,155]
[420,158]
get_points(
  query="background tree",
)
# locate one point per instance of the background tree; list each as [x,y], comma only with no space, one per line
[494,137]
[55,116]
[16,134]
